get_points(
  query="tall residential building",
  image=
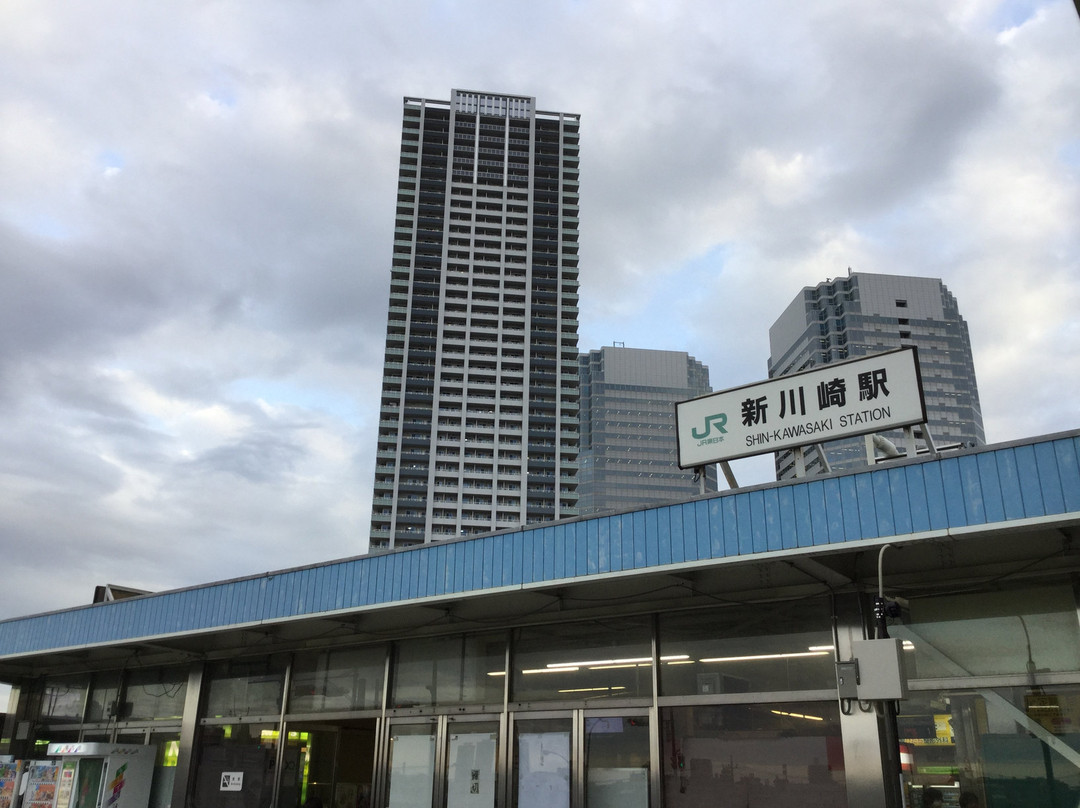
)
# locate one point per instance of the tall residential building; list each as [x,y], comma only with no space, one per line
[845,318]
[478,428]
[629,455]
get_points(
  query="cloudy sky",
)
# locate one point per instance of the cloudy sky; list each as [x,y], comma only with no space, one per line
[197,201]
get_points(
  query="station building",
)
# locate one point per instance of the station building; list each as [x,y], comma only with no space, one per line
[676,656]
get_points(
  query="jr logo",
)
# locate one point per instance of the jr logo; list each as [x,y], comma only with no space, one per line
[718,420]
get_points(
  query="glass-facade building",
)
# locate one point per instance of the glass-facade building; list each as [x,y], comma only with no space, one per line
[629,454]
[863,314]
[682,656]
[479,408]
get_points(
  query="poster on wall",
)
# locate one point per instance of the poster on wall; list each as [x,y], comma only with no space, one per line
[544,770]
[9,776]
[41,785]
[470,780]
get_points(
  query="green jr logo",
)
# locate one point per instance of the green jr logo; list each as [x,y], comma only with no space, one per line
[718,420]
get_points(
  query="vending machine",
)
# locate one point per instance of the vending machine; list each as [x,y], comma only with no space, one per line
[102,775]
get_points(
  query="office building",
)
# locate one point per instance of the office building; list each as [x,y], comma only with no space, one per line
[629,457]
[863,314]
[478,422]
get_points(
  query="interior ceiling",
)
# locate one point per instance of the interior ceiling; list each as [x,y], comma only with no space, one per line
[911,569]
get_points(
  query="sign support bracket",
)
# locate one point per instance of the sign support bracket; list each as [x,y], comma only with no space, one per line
[728,474]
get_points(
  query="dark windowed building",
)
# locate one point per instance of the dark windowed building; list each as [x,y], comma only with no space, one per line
[479,409]
[629,456]
[864,314]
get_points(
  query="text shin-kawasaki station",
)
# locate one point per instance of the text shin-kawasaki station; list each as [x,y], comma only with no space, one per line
[698,654]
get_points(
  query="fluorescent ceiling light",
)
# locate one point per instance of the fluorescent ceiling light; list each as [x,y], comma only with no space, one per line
[754,657]
[593,662]
[590,689]
[798,715]
[613,667]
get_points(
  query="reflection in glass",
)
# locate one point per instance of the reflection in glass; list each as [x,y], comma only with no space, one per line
[589,661]
[542,763]
[412,765]
[64,698]
[769,647]
[246,687]
[466,669]
[155,693]
[168,752]
[88,783]
[1007,746]
[102,704]
[617,762]
[988,633]
[350,679]
[330,761]
[247,748]
[731,756]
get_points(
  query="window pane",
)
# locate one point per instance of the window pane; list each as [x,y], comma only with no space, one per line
[467,669]
[1007,746]
[618,762]
[992,633]
[155,693]
[168,753]
[470,768]
[583,661]
[338,680]
[542,763]
[412,765]
[731,756]
[102,703]
[769,647]
[251,750]
[63,698]
[246,687]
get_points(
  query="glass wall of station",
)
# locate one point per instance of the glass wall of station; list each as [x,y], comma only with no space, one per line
[731,705]
[994,709]
[142,706]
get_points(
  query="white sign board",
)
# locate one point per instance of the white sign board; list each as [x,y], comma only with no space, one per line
[232,781]
[864,395]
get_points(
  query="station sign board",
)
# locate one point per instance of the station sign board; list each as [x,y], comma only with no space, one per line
[840,400]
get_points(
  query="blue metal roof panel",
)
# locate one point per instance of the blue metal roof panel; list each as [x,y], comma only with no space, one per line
[990,486]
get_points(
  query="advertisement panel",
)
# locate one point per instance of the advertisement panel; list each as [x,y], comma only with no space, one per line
[870,394]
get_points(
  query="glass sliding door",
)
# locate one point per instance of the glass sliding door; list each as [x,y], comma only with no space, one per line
[542,762]
[617,761]
[471,764]
[411,765]
[764,754]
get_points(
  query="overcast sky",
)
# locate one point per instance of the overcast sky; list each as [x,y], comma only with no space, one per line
[197,203]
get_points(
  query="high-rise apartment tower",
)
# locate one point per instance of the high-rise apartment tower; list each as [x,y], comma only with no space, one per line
[478,427]
[862,314]
[629,454]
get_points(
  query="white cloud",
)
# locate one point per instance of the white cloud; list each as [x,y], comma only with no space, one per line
[197,209]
